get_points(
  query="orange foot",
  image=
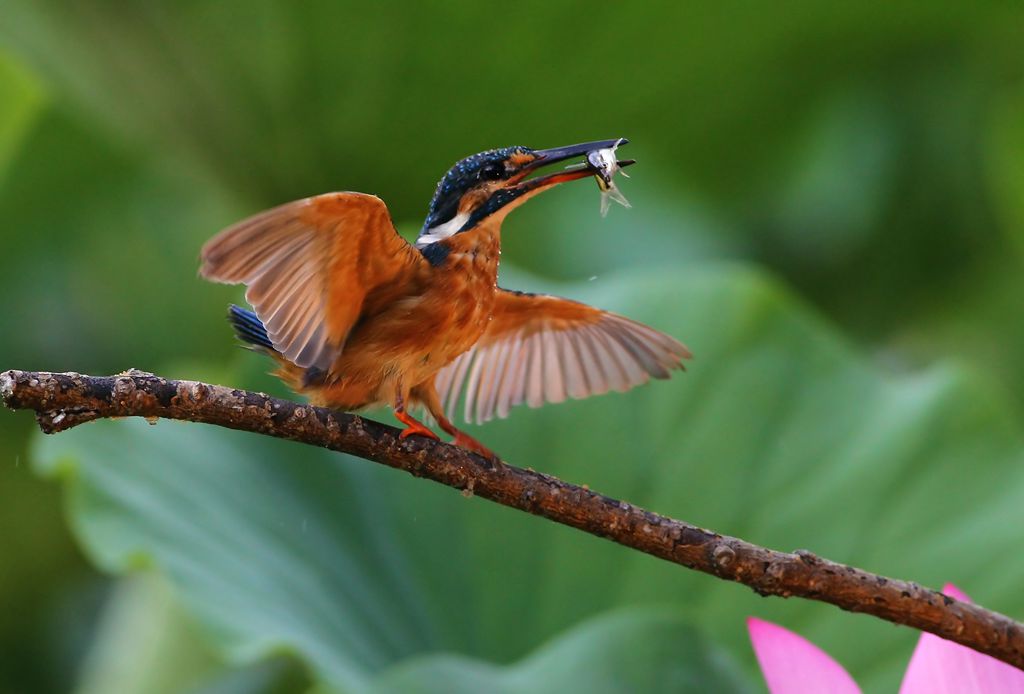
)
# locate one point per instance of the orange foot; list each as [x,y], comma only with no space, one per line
[466,441]
[414,426]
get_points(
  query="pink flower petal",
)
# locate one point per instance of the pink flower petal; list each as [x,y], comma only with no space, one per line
[793,665]
[939,666]
[954,592]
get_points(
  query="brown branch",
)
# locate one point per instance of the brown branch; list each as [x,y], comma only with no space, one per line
[62,401]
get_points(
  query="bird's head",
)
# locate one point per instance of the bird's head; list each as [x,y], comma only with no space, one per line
[490,184]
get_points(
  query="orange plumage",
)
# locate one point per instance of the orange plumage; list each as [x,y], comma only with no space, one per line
[356,316]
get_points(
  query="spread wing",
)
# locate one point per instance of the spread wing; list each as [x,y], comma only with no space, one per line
[541,349]
[308,265]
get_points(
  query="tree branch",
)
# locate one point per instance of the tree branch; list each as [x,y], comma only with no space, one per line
[62,401]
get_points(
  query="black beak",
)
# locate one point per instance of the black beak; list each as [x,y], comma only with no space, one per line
[557,154]
[554,155]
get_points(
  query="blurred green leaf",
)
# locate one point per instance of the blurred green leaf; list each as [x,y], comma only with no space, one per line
[105,220]
[779,433]
[828,195]
[282,99]
[563,236]
[44,598]
[21,100]
[639,650]
[143,644]
[1006,164]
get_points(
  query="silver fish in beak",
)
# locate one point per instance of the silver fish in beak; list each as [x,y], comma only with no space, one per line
[605,165]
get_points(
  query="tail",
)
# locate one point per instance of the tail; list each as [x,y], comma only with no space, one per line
[249,329]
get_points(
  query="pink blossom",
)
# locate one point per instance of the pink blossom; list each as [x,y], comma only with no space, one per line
[793,665]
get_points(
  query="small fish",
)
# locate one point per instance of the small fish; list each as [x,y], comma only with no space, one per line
[605,165]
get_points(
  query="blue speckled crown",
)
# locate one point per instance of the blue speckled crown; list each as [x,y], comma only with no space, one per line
[460,178]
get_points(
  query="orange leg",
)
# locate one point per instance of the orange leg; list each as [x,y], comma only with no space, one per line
[412,425]
[427,393]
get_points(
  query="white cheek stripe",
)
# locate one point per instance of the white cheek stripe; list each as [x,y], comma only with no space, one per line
[443,231]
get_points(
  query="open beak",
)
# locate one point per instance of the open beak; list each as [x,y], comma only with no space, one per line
[554,155]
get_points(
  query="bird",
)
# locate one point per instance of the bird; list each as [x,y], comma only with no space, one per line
[356,316]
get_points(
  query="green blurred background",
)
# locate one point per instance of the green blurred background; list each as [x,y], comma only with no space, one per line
[829,208]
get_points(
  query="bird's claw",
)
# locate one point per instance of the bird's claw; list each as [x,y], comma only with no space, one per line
[472,445]
[418,430]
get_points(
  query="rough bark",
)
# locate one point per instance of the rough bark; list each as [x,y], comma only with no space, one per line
[62,401]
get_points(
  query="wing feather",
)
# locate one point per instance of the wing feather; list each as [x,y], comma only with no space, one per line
[488,367]
[499,376]
[512,382]
[541,349]
[554,387]
[610,364]
[308,266]
[572,363]
[632,372]
[472,386]
[534,383]
[597,382]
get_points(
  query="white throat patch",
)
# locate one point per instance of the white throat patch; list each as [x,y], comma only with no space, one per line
[443,231]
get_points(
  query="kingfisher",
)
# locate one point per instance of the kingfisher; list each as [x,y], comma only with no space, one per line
[355,316]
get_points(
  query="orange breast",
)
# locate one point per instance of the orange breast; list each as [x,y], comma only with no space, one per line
[413,331]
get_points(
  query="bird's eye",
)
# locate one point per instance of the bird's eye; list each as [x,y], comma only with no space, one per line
[492,172]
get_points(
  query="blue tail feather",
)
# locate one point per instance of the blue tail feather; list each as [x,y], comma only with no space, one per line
[249,328]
